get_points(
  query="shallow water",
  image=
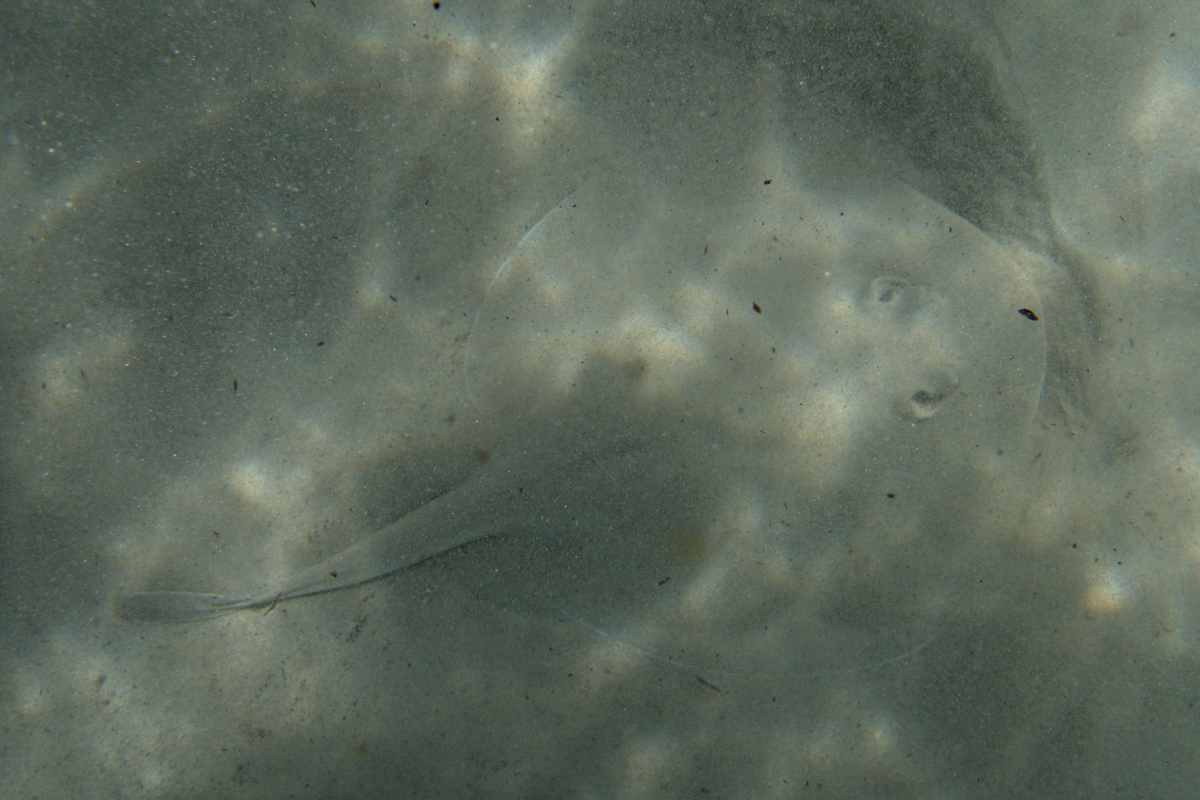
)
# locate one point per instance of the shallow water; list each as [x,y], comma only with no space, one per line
[802,506]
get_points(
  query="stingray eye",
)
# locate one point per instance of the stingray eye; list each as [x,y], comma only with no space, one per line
[885,291]
[929,398]
[924,403]
[891,295]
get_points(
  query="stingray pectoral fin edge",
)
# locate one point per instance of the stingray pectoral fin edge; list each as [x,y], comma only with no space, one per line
[159,607]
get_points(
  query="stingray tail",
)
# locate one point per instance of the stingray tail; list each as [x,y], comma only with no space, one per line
[156,607]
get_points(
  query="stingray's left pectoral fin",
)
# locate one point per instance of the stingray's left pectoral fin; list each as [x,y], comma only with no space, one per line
[158,607]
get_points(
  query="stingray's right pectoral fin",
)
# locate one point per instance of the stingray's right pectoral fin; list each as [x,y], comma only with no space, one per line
[156,607]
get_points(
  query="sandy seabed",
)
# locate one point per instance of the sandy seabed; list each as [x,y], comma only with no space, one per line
[243,253]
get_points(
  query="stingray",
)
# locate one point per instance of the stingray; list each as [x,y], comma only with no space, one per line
[677,382]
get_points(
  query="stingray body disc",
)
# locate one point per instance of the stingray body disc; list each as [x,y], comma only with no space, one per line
[775,374]
[863,310]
